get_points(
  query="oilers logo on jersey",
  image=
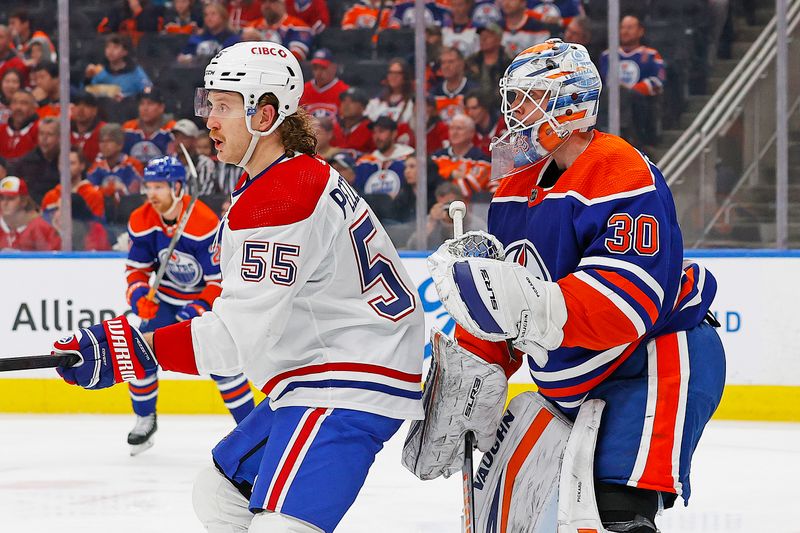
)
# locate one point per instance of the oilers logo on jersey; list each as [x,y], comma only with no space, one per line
[524,252]
[183,269]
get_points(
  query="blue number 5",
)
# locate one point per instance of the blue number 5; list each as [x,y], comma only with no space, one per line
[395,300]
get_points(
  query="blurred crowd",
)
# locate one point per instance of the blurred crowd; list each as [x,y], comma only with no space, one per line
[135,63]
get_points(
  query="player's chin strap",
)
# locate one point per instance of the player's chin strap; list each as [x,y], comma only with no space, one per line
[256,135]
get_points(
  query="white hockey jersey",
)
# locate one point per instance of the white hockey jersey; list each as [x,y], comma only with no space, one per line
[316,306]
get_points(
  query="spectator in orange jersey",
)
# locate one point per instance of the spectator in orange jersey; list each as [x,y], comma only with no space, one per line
[10,83]
[40,165]
[134,18]
[278,26]
[184,17]
[21,26]
[91,194]
[18,136]
[321,93]
[521,29]
[313,12]
[488,123]
[462,162]
[9,60]
[85,127]
[46,90]
[353,131]
[21,226]
[363,14]
[436,130]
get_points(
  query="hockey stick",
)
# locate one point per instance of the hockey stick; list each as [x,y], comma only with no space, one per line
[30,362]
[457,211]
[151,295]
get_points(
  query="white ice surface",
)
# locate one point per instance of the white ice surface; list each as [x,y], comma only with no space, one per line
[61,473]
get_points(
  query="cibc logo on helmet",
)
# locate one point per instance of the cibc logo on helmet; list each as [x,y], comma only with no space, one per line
[267,51]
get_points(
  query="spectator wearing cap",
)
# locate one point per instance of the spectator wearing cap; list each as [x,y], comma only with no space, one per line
[449,94]
[555,12]
[116,173]
[215,35]
[489,124]
[460,31]
[314,13]
[186,132]
[10,83]
[9,60]
[21,226]
[148,136]
[278,26]
[321,93]
[462,162]
[18,136]
[26,38]
[364,13]
[439,226]
[86,124]
[134,18]
[488,65]
[381,171]
[40,165]
[46,89]
[120,68]
[87,233]
[521,30]
[353,131]
[396,98]
[91,194]
[184,18]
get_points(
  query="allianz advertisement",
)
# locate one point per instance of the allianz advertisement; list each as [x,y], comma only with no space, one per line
[757,301]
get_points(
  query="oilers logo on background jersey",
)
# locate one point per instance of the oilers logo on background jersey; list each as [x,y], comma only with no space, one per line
[385,181]
[182,268]
[629,73]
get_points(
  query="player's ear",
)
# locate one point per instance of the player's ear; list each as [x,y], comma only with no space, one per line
[266,116]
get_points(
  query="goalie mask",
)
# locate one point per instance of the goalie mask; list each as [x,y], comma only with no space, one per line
[252,69]
[559,87]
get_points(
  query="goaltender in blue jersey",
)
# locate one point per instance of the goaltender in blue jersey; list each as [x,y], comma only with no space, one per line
[595,294]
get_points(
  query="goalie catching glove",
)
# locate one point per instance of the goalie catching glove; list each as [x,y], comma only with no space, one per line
[462,393]
[496,300]
[111,352]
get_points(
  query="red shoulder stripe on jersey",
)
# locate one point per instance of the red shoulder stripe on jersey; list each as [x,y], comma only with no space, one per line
[633,291]
[593,321]
[491,352]
[283,194]
[174,349]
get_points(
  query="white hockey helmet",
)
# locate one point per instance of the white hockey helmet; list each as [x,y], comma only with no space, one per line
[252,69]
[571,85]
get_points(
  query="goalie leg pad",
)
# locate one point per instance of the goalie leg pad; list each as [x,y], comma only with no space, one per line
[516,484]
[462,393]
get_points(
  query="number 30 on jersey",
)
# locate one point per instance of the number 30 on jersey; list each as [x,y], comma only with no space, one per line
[639,234]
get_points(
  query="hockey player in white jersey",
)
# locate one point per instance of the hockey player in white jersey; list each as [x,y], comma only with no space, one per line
[316,309]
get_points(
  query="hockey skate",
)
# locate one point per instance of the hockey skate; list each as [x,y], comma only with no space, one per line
[141,436]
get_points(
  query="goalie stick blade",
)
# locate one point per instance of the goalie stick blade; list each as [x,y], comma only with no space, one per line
[31,362]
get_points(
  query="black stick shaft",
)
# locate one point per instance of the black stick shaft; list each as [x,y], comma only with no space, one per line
[30,362]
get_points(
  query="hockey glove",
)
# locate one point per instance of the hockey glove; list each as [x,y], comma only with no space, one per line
[111,352]
[137,297]
[498,300]
[191,310]
[462,393]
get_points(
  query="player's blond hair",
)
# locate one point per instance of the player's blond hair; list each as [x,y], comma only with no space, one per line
[296,131]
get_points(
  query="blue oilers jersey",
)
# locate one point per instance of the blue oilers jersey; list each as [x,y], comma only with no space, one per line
[608,234]
[641,69]
[193,272]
